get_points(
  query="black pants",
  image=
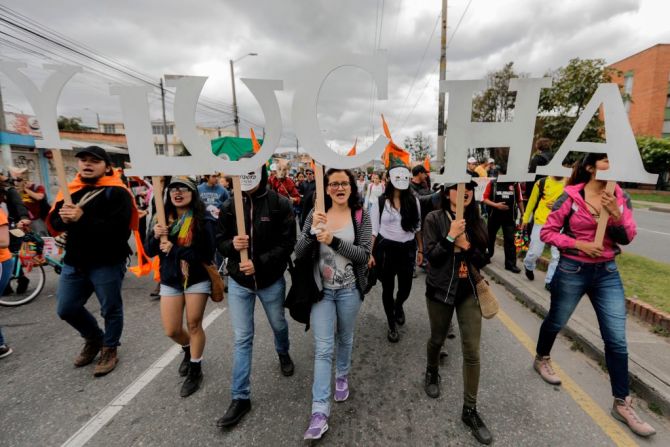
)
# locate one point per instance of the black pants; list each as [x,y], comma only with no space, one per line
[506,221]
[399,259]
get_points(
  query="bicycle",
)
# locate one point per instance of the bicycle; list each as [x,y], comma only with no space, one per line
[28,276]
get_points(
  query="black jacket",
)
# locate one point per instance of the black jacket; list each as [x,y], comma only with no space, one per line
[201,251]
[442,278]
[100,236]
[270,225]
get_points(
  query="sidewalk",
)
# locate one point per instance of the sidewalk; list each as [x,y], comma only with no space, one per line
[653,206]
[649,354]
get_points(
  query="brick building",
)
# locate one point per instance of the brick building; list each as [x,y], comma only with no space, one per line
[645,76]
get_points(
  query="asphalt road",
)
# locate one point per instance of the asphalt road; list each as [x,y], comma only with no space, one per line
[45,400]
[653,235]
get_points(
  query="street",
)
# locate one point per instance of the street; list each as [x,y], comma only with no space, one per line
[653,235]
[46,401]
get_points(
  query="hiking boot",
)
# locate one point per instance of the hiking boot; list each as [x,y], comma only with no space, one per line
[318,425]
[89,351]
[185,362]
[22,284]
[513,268]
[5,351]
[544,368]
[107,362]
[193,380]
[399,316]
[471,418]
[432,383]
[622,410]
[393,335]
[341,389]
[529,274]
[286,364]
[236,411]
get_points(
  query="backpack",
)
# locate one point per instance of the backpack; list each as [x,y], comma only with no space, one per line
[540,187]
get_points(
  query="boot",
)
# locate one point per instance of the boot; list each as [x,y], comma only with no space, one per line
[185,362]
[107,362]
[88,352]
[193,380]
[471,418]
[286,365]
[432,383]
[236,411]
[622,410]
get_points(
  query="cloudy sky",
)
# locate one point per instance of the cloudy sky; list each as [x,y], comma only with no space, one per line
[198,37]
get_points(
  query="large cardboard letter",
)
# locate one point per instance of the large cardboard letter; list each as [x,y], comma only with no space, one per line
[463,134]
[43,101]
[620,147]
[304,113]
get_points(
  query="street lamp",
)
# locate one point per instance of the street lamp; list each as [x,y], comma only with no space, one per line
[97,116]
[232,78]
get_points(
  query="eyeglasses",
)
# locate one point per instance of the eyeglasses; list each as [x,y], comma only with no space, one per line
[180,189]
[337,185]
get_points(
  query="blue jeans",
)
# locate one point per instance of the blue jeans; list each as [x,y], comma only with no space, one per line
[241,302]
[535,251]
[602,283]
[5,275]
[75,288]
[337,306]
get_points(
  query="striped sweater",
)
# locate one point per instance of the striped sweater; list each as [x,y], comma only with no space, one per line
[358,251]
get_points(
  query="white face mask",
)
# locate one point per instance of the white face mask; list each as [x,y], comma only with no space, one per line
[251,180]
[399,177]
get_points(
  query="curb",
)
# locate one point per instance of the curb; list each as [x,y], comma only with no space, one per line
[645,383]
[659,209]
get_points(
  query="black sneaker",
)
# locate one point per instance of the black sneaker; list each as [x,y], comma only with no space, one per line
[22,284]
[286,364]
[393,335]
[193,380]
[236,411]
[432,384]
[547,286]
[471,418]
[185,362]
[400,316]
[529,274]
[513,268]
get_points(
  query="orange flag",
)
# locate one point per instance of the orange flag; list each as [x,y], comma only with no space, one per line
[352,151]
[426,163]
[254,142]
[387,132]
[393,154]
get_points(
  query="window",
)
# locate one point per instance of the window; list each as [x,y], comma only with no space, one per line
[160,149]
[170,129]
[109,128]
[667,102]
[157,130]
[628,89]
[666,126]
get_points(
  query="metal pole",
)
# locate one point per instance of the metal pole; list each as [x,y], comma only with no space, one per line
[165,135]
[236,118]
[97,117]
[6,148]
[443,76]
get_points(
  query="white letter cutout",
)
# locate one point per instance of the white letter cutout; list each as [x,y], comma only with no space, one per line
[304,113]
[620,147]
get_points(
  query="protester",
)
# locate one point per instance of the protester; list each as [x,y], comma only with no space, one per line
[185,284]
[472,164]
[374,191]
[306,190]
[545,193]
[283,185]
[339,241]
[503,200]
[98,225]
[361,185]
[396,228]
[587,267]
[541,157]
[482,170]
[450,286]
[34,199]
[297,208]
[212,195]
[6,266]
[269,240]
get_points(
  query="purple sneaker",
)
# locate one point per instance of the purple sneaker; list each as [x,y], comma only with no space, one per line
[341,389]
[318,425]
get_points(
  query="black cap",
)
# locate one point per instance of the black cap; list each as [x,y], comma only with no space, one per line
[419,169]
[95,151]
[183,180]
[468,185]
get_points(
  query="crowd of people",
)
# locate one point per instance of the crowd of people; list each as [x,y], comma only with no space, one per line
[375,226]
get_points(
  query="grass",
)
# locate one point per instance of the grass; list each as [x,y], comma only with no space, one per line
[653,406]
[645,279]
[651,197]
[658,330]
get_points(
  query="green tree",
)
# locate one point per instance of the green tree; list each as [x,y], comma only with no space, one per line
[496,102]
[655,154]
[73,124]
[418,146]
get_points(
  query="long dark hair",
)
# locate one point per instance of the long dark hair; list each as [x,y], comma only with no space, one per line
[409,209]
[474,224]
[354,201]
[579,172]
[196,205]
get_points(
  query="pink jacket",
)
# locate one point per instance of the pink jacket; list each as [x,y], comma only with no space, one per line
[571,211]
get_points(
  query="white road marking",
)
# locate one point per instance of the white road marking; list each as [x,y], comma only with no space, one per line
[97,422]
[653,231]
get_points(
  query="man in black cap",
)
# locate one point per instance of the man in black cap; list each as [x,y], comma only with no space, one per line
[307,190]
[98,224]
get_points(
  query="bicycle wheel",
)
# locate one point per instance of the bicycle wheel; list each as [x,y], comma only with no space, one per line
[24,287]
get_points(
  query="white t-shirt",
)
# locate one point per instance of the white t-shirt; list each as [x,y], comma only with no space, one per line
[337,272]
[373,193]
[390,227]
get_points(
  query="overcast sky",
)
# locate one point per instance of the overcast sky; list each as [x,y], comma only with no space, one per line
[198,37]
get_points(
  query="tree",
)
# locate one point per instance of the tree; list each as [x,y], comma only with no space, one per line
[418,146]
[655,154]
[496,102]
[73,124]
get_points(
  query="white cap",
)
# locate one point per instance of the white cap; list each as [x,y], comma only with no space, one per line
[490,160]
[471,160]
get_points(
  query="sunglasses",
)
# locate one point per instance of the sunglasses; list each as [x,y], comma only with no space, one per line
[180,189]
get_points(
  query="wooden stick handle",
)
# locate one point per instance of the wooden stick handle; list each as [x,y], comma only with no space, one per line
[460,205]
[157,183]
[62,178]
[320,204]
[604,216]
[239,214]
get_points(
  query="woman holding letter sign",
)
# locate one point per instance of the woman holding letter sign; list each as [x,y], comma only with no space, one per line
[587,267]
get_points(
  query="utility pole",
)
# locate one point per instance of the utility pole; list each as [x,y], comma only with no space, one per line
[165,135]
[236,118]
[6,149]
[443,76]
